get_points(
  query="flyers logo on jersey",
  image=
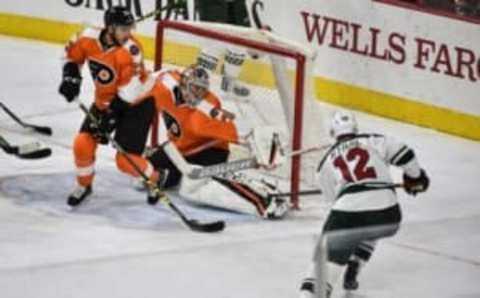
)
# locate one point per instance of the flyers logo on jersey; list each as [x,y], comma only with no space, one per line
[101,73]
[171,124]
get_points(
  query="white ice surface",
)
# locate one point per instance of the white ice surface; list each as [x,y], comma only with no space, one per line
[117,246]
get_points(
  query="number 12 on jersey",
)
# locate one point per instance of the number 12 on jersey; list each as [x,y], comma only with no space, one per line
[360,158]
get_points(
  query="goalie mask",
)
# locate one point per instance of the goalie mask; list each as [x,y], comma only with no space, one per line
[343,123]
[194,84]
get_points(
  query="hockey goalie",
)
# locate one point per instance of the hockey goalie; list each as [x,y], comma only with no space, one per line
[198,134]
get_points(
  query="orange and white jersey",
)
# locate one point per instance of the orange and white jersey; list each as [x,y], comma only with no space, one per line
[116,70]
[190,127]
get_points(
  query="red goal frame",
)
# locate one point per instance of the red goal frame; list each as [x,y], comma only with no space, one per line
[300,61]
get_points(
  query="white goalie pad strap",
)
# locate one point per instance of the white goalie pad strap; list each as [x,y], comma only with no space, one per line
[267,144]
[85,171]
[183,166]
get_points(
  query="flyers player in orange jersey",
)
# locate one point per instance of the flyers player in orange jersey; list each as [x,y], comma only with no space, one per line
[115,60]
[193,117]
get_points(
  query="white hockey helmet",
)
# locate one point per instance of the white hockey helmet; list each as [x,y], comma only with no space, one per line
[343,123]
[194,84]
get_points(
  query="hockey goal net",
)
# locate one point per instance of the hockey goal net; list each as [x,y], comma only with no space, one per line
[262,78]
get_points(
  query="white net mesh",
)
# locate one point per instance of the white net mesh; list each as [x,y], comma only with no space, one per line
[260,86]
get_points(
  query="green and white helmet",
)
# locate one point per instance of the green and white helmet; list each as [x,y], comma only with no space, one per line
[343,123]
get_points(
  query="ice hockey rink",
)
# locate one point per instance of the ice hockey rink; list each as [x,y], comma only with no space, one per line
[118,246]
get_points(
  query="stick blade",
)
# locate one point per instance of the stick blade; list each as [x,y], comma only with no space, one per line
[212,227]
[42,153]
[33,151]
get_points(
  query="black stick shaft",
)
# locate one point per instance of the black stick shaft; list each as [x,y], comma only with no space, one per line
[40,129]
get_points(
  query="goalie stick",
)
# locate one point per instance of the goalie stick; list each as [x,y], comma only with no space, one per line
[241,164]
[193,224]
[26,151]
[45,130]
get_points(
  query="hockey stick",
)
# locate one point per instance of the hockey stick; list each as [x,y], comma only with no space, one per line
[153,13]
[241,164]
[193,224]
[26,151]
[45,130]
[319,191]
[300,193]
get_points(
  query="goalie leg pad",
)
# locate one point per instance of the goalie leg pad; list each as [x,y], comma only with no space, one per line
[210,193]
[245,192]
[208,59]
[259,193]
[234,59]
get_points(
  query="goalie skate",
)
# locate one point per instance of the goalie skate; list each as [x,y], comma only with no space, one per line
[277,208]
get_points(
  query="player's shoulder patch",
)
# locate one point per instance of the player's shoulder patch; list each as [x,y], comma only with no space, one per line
[133,50]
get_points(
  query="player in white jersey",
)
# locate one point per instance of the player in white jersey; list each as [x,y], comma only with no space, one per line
[354,173]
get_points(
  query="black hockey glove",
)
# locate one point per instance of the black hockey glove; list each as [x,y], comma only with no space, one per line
[104,126]
[108,119]
[415,185]
[71,81]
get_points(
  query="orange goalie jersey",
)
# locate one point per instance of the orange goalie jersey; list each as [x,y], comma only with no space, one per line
[117,70]
[190,127]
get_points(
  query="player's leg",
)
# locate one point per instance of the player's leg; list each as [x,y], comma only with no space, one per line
[340,245]
[131,134]
[350,235]
[84,148]
[381,224]
[360,257]
[233,61]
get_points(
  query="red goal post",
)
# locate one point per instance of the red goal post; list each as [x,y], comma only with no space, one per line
[297,57]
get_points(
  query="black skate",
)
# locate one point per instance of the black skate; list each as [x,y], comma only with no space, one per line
[308,285]
[79,195]
[152,196]
[350,279]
